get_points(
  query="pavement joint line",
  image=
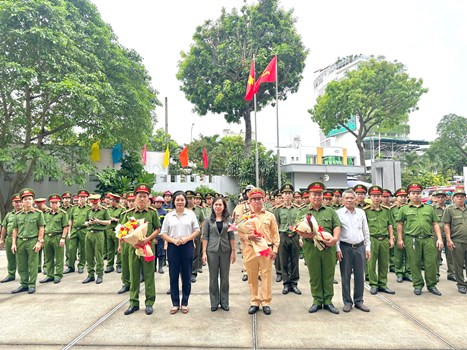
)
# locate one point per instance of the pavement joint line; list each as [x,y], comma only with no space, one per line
[410,317]
[97,323]
[254,332]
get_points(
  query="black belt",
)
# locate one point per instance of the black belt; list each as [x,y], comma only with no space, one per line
[356,245]
[379,238]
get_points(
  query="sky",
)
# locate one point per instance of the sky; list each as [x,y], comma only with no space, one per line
[428,36]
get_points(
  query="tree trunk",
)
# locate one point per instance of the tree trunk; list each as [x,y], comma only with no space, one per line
[247,118]
[361,151]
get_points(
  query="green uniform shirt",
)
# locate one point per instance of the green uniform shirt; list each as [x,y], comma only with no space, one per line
[418,221]
[100,214]
[69,210]
[8,221]
[207,212]
[78,216]
[378,220]
[114,213]
[325,216]
[457,220]
[199,212]
[28,223]
[395,214]
[286,216]
[55,222]
[439,212]
[149,215]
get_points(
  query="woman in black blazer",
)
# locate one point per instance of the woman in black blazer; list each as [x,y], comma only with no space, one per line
[219,253]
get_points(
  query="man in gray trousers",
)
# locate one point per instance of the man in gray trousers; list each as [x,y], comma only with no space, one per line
[352,250]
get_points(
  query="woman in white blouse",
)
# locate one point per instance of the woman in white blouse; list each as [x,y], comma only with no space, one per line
[179,229]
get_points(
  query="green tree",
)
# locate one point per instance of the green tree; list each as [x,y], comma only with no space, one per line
[214,71]
[65,82]
[379,93]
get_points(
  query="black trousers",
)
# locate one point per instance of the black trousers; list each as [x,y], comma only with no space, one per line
[353,259]
[289,251]
[181,261]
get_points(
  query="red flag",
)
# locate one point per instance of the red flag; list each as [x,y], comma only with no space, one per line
[250,85]
[268,76]
[205,158]
[144,155]
[184,157]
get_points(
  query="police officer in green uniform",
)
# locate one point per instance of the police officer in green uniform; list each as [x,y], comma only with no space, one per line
[199,212]
[321,264]
[337,199]
[6,238]
[382,239]
[401,266]
[124,248]
[360,191]
[455,228]
[97,220]
[440,206]
[27,241]
[115,210]
[416,221]
[289,248]
[142,211]
[327,198]
[56,228]
[68,207]
[40,205]
[77,234]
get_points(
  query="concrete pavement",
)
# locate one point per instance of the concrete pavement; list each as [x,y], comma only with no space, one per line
[73,315]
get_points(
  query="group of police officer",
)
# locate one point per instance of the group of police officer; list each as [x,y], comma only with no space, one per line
[405,237]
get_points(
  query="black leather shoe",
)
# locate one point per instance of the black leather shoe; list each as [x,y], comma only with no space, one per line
[434,290]
[362,307]
[124,289]
[7,279]
[31,290]
[245,278]
[131,309]
[278,278]
[399,279]
[451,278]
[225,308]
[88,279]
[417,291]
[267,310]
[98,280]
[462,290]
[386,290]
[109,269]
[213,308]
[314,308]
[253,309]
[19,290]
[149,310]
[373,290]
[347,307]
[286,290]
[331,308]
[57,280]
[193,279]
[46,280]
[119,269]
[68,270]
[80,270]
[296,290]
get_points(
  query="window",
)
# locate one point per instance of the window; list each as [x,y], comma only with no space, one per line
[310,159]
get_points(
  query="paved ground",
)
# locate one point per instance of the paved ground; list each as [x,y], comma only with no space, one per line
[73,315]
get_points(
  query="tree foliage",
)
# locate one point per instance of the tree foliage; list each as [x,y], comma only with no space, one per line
[379,94]
[213,73]
[65,82]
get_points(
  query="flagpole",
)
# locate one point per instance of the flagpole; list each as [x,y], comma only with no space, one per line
[277,121]
[256,139]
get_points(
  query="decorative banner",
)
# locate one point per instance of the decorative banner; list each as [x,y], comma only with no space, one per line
[166,157]
[250,85]
[95,152]
[205,158]
[144,157]
[268,76]
[117,153]
[184,157]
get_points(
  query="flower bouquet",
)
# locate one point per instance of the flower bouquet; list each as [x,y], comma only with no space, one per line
[132,232]
[250,223]
[308,224]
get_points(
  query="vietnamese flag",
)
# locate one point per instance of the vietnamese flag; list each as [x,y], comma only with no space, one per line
[205,158]
[250,85]
[268,76]
[184,157]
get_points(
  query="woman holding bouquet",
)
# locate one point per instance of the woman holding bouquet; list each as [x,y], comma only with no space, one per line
[219,253]
[179,229]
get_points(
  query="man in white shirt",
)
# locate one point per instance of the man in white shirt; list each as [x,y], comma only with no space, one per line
[352,250]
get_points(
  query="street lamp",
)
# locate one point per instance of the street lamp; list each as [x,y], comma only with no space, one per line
[191,134]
